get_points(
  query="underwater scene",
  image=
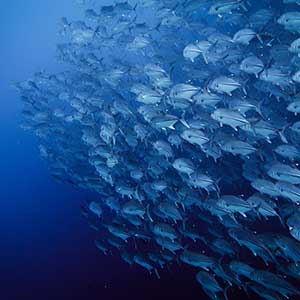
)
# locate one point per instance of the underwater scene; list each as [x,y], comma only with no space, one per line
[156,149]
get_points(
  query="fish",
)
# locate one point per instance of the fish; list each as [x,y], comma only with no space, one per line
[224,85]
[165,230]
[283,172]
[238,148]
[226,7]
[252,65]
[95,208]
[184,165]
[194,137]
[228,117]
[197,260]
[274,282]
[210,285]
[233,204]
[181,118]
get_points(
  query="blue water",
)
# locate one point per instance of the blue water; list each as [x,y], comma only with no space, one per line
[43,238]
[46,248]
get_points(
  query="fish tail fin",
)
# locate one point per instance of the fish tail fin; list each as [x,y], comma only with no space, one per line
[244,7]
[148,212]
[245,288]
[259,38]
[257,212]
[156,273]
[184,224]
[259,109]
[226,292]
[157,27]
[281,220]
[184,123]
[135,7]
[282,134]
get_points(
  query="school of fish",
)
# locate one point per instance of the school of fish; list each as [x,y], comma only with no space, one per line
[183,118]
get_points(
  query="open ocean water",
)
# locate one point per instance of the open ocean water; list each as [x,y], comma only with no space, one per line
[150,149]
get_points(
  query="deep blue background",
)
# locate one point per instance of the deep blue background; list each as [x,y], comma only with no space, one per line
[46,248]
